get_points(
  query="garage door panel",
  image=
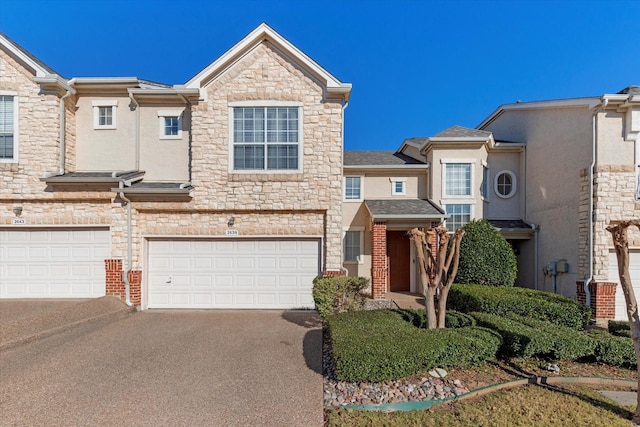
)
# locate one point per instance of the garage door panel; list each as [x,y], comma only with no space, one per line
[236,273]
[634,272]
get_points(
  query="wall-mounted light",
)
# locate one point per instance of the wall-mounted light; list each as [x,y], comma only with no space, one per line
[231,221]
[17,210]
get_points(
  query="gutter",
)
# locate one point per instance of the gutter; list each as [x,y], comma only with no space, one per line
[125,274]
[594,140]
[137,130]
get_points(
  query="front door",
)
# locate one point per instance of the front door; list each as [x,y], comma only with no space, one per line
[398,250]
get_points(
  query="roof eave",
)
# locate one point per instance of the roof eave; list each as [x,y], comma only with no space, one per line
[388,167]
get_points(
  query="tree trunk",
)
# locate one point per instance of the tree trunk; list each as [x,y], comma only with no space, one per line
[621,244]
[454,256]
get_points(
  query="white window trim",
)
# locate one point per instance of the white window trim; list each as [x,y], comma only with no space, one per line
[360,258]
[395,180]
[514,184]
[300,169]
[444,163]
[487,184]
[344,188]
[16,125]
[96,112]
[162,114]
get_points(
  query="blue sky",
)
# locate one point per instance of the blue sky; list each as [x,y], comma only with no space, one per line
[417,67]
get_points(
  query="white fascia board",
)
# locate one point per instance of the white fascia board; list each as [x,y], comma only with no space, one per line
[253,39]
[55,81]
[19,53]
[106,80]
[534,105]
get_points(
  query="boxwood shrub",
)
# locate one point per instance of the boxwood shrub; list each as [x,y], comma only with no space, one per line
[620,328]
[453,319]
[339,293]
[526,337]
[613,350]
[380,345]
[502,301]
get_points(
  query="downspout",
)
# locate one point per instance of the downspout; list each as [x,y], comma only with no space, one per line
[63,133]
[342,268]
[594,140]
[137,131]
[536,229]
[125,274]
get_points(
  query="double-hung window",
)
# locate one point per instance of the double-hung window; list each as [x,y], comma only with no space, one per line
[457,179]
[8,128]
[266,138]
[353,188]
[352,246]
[104,114]
[398,186]
[459,215]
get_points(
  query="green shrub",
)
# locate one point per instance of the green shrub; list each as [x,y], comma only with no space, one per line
[620,328]
[486,258]
[380,345]
[613,350]
[453,319]
[338,294]
[503,301]
[526,337]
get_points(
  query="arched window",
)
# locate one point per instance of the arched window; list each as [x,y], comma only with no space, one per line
[505,184]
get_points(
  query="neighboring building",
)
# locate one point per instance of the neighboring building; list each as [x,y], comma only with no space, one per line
[527,168]
[223,192]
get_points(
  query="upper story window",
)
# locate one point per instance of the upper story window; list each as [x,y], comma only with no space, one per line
[8,127]
[104,114]
[353,188]
[484,188]
[457,179]
[505,184]
[398,186]
[170,123]
[266,138]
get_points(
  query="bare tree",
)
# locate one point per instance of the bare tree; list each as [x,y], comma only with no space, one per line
[434,269]
[621,244]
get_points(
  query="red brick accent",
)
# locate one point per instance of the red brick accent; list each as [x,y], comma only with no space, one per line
[114,285]
[379,260]
[333,273]
[581,294]
[603,300]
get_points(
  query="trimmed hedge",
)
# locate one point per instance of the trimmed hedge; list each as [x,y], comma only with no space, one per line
[338,294]
[620,328]
[502,301]
[453,319]
[613,350]
[526,337]
[380,345]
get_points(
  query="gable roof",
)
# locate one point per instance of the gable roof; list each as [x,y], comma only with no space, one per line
[462,132]
[379,158]
[39,68]
[405,209]
[255,38]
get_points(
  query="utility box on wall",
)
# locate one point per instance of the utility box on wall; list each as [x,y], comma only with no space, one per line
[562,266]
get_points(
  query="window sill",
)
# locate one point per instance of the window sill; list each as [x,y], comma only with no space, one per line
[252,176]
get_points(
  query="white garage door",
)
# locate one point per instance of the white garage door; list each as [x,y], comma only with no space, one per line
[60,263]
[232,273]
[634,271]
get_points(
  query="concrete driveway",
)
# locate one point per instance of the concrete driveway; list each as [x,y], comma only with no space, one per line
[169,368]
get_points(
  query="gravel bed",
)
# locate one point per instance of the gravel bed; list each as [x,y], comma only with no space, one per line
[422,388]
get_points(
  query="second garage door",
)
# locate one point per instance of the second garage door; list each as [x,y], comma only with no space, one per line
[232,273]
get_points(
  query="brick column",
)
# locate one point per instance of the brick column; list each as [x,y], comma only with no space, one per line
[603,300]
[114,286]
[379,260]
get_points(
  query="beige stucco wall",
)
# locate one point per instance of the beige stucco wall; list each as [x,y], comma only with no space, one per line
[496,207]
[163,159]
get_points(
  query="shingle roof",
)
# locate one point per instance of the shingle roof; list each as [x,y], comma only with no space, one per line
[379,158]
[509,223]
[631,90]
[462,132]
[404,208]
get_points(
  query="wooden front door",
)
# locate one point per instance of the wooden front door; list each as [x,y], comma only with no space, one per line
[398,249]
